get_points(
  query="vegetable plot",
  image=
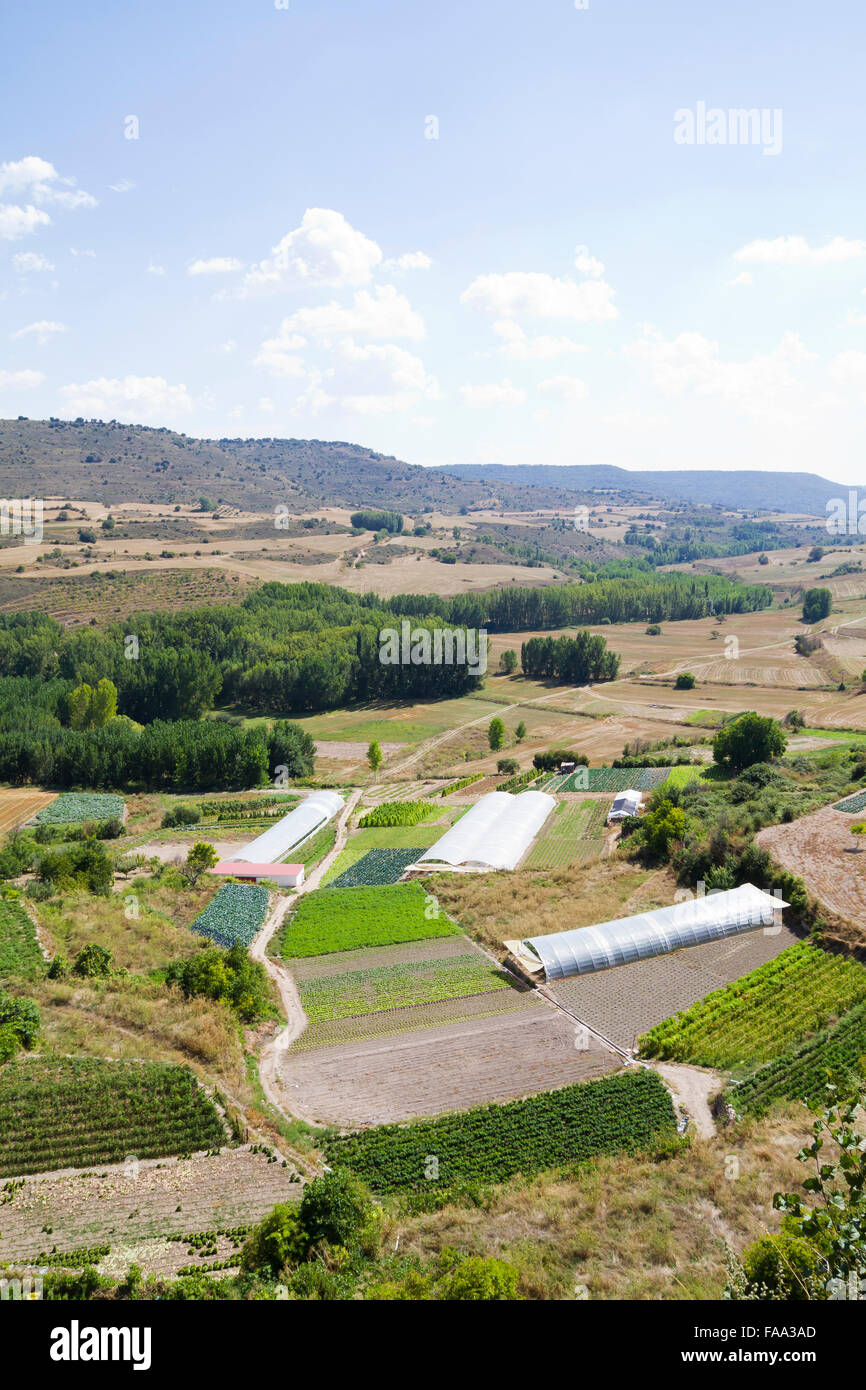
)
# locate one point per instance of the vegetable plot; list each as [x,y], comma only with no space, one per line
[399,813]
[71,808]
[235,914]
[572,834]
[802,1073]
[344,919]
[74,1113]
[492,1142]
[399,986]
[378,866]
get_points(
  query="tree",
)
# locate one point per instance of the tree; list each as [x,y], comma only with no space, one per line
[685,681]
[92,709]
[661,826]
[507,766]
[276,1242]
[753,738]
[763,559]
[201,857]
[817,604]
[508,661]
[336,1209]
[374,756]
[496,734]
[816,553]
[520,732]
[231,977]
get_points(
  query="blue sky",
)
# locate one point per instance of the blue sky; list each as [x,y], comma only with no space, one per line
[567,273]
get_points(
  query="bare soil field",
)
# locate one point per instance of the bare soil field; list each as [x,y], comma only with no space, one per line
[20,804]
[439,1069]
[111,1207]
[822,850]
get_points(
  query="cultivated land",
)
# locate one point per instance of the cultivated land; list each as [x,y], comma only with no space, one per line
[387,1001]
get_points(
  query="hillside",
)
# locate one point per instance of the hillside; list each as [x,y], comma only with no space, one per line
[762,491]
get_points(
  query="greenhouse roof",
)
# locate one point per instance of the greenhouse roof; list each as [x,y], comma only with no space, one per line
[314,811]
[628,939]
[494,833]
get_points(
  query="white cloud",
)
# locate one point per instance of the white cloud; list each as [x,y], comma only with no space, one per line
[16,222]
[154,269]
[131,398]
[122,186]
[42,331]
[533,294]
[410,260]
[744,278]
[383,314]
[856,316]
[503,393]
[38,180]
[23,380]
[564,388]
[215,265]
[266,404]
[587,264]
[324,250]
[519,347]
[228,346]
[90,255]
[279,355]
[30,263]
[795,250]
[765,384]
[381,379]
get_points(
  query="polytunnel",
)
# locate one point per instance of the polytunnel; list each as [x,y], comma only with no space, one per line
[629,939]
[314,811]
[494,834]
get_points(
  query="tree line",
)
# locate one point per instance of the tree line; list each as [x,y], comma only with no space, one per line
[583,657]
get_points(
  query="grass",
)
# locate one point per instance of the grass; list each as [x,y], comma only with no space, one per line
[681,776]
[315,848]
[20,955]
[399,986]
[345,919]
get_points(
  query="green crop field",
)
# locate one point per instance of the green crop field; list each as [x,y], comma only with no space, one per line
[766,1012]
[377,867]
[573,833]
[74,1113]
[399,986]
[344,919]
[417,837]
[681,776]
[390,813]
[491,1143]
[235,914]
[852,804]
[19,949]
[71,808]
[607,779]
[802,1073]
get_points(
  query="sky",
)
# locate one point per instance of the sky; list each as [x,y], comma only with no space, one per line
[475,231]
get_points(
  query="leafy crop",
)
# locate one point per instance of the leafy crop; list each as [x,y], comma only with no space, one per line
[378,866]
[461,783]
[492,1142]
[78,1112]
[398,813]
[71,808]
[762,1014]
[19,949]
[609,779]
[573,833]
[344,919]
[802,1073]
[398,986]
[234,915]
[854,803]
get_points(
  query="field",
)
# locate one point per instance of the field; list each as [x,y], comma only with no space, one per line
[821,849]
[385,988]
[234,915]
[20,955]
[377,867]
[573,834]
[608,779]
[801,1074]
[72,808]
[762,1014]
[392,813]
[345,919]
[76,1113]
[17,806]
[550,1130]
[398,837]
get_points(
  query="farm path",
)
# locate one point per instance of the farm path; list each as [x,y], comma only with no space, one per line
[296,1020]
[691,1088]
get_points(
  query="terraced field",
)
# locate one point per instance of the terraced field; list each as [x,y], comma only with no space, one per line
[572,835]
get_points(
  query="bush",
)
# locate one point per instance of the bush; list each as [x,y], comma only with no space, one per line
[93,961]
[782,1267]
[550,761]
[182,814]
[477,1278]
[685,681]
[336,1209]
[19,1024]
[507,767]
[230,977]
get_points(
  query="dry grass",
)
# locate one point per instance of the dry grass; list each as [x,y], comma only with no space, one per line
[499,906]
[629,1227]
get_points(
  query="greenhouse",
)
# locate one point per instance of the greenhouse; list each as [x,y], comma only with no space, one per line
[314,811]
[629,939]
[495,833]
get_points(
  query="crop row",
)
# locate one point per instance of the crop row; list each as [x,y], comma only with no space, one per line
[19,949]
[492,1142]
[71,808]
[345,919]
[377,867]
[80,1112]
[852,804]
[235,914]
[766,1012]
[398,986]
[802,1073]
[520,780]
[398,813]
[461,783]
[571,835]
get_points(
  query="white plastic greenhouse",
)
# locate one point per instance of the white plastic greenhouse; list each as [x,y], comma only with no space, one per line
[629,939]
[314,811]
[494,834]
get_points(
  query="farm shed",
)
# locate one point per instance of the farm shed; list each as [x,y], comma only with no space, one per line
[286,875]
[630,939]
[314,811]
[494,834]
[625,804]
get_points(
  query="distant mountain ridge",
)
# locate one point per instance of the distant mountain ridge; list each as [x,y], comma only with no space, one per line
[750,489]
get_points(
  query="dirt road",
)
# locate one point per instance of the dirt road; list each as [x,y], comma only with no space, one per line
[691,1088]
